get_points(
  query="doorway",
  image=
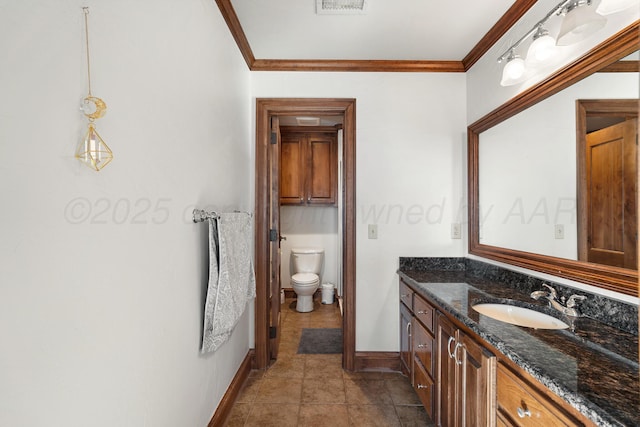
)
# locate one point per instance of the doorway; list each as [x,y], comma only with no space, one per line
[267,229]
[607,138]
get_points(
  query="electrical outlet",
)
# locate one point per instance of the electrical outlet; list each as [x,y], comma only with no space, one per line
[373,231]
[456,230]
[559,231]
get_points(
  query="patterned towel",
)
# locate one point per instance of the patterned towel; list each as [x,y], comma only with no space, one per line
[231,278]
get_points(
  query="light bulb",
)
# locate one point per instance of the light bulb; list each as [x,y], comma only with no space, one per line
[514,71]
[542,48]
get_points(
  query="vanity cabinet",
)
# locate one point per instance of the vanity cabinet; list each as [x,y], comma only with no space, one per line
[308,167]
[466,373]
[452,374]
[521,404]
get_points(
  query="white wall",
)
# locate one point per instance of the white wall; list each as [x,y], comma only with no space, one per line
[305,226]
[410,144]
[102,275]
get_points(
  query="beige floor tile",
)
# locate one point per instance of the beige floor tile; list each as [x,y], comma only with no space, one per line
[238,415]
[311,390]
[367,392]
[323,366]
[373,416]
[287,366]
[280,390]
[250,390]
[266,415]
[413,416]
[318,390]
[401,392]
[323,416]
[362,375]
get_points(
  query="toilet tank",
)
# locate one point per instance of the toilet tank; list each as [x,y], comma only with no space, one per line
[307,260]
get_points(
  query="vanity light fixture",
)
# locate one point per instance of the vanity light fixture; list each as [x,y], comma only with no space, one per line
[579,20]
[607,7]
[92,150]
[514,70]
[542,48]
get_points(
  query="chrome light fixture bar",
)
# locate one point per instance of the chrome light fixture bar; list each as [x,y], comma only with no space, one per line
[555,11]
[580,20]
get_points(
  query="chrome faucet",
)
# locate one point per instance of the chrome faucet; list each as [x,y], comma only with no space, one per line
[569,308]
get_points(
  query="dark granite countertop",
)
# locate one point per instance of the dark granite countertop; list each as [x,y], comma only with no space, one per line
[592,366]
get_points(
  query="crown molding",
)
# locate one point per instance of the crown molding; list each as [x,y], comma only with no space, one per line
[515,12]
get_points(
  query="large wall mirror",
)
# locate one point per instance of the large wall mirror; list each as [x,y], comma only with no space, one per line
[553,172]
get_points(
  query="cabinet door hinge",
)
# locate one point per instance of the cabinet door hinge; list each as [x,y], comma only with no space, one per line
[273,332]
[273,235]
[274,138]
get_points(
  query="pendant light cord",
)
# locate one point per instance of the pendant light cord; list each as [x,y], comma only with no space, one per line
[86,36]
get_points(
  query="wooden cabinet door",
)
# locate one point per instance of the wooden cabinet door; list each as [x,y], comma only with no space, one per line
[476,369]
[292,169]
[446,374]
[405,339]
[323,167]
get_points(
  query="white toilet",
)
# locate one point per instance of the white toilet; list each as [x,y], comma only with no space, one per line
[307,267]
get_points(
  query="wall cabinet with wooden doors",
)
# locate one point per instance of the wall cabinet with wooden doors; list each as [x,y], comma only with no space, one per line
[308,166]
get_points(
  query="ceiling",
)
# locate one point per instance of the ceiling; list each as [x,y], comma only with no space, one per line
[392,35]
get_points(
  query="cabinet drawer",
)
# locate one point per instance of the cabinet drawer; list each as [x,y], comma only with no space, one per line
[424,312]
[424,387]
[423,347]
[524,405]
[406,295]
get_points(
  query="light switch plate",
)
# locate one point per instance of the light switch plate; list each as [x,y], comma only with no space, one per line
[373,231]
[456,230]
[559,231]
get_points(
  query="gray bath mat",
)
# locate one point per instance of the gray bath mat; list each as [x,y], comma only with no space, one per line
[320,341]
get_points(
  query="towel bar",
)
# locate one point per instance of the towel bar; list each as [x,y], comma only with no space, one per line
[200,215]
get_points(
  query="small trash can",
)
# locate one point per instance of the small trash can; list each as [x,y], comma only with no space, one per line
[327,293]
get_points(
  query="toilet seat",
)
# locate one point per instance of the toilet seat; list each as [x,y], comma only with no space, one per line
[305,278]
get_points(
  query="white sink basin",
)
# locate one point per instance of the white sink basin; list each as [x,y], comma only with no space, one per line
[520,316]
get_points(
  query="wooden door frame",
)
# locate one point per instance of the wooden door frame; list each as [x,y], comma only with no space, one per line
[589,108]
[265,108]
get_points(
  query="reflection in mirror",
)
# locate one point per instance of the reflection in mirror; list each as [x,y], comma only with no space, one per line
[527,175]
[528,182]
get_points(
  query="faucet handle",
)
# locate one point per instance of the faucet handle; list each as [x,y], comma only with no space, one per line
[552,291]
[574,299]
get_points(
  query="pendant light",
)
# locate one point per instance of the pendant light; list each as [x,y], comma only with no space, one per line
[580,21]
[92,150]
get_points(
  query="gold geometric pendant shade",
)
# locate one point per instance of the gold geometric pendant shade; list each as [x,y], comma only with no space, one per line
[93,151]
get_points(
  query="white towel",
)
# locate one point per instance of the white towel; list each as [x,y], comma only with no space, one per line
[231,278]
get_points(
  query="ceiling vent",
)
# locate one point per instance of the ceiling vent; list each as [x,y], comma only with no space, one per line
[341,7]
[308,121]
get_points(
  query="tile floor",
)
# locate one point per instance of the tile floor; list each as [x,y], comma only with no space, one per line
[313,390]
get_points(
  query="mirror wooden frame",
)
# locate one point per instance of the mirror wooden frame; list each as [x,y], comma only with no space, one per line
[615,279]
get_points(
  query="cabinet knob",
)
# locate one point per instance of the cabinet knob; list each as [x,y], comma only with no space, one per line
[522,413]
[422,386]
